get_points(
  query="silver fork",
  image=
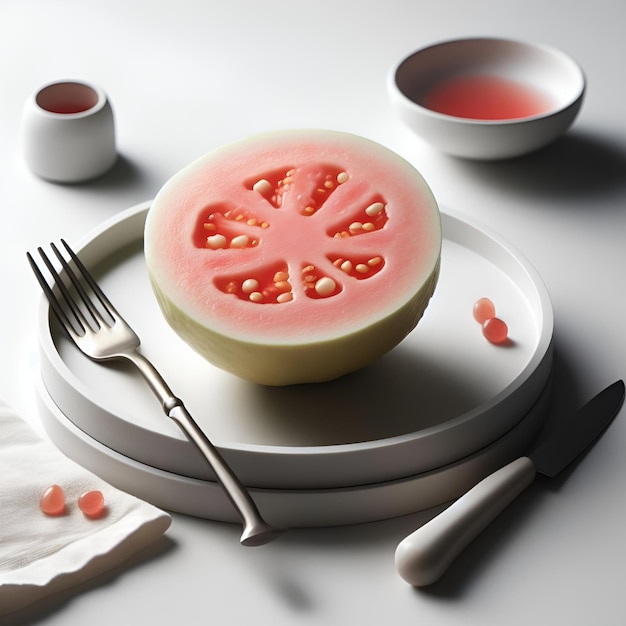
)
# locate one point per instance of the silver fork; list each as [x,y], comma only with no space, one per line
[101,333]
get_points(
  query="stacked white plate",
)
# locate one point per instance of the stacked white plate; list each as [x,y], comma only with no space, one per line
[413,430]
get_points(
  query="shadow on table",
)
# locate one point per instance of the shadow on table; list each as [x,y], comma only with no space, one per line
[125,177]
[576,166]
[471,563]
[383,537]
[124,173]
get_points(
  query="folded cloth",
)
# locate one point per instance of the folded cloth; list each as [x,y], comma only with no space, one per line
[41,555]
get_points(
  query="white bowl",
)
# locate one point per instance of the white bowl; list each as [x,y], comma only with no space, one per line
[485,98]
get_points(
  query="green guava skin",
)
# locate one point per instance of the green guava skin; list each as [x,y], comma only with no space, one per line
[279,365]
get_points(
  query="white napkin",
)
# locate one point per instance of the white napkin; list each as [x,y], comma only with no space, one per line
[41,555]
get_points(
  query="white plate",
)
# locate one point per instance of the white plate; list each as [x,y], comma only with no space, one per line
[284,507]
[440,396]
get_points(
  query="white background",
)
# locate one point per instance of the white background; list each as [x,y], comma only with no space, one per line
[185,76]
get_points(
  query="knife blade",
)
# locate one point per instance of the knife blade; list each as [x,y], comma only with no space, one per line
[422,557]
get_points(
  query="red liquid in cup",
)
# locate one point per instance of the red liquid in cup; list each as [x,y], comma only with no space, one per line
[67,98]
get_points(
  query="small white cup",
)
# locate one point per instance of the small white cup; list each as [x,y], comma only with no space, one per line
[68,132]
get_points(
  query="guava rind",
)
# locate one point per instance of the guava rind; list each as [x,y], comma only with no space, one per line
[288,364]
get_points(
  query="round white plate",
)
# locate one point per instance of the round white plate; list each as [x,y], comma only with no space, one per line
[441,395]
[290,508]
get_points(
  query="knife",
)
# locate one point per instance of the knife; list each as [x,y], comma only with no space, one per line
[424,556]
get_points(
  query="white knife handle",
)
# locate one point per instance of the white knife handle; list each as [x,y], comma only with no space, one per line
[423,556]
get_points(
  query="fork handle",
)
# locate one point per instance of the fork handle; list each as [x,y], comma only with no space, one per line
[256,530]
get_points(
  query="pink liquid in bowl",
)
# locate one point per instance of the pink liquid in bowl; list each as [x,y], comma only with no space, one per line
[484,97]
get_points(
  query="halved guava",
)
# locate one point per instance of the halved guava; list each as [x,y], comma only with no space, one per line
[294,256]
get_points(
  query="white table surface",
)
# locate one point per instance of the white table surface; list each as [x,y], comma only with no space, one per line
[185,76]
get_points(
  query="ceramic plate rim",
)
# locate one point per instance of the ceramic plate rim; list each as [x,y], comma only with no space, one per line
[292,508]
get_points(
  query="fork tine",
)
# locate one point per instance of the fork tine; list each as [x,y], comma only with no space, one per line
[52,299]
[97,318]
[70,301]
[104,301]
